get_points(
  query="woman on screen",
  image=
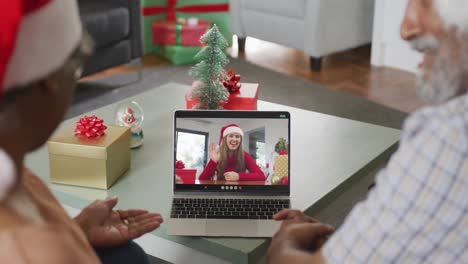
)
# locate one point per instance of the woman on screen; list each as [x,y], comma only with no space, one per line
[229,160]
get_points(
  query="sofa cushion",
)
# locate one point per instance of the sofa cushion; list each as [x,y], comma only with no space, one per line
[117,54]
[288,8]
[106,22]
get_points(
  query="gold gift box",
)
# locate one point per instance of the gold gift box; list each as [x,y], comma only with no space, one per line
[281,166]
[94,162]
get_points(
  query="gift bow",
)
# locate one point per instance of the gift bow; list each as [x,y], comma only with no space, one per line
[283,152]
[180,164]
[171,9]
[232,83]
[90,126]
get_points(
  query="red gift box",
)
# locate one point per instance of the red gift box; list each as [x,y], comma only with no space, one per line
[245,99]
[171,33]
[188,176]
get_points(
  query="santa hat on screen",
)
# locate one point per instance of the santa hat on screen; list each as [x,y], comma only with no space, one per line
[36,37]
[453,13]
[226,130]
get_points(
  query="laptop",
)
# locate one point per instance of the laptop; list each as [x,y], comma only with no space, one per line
[219,192]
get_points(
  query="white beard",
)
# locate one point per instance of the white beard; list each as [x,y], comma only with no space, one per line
[443,82]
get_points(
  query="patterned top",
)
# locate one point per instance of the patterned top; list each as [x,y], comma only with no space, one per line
[418,211]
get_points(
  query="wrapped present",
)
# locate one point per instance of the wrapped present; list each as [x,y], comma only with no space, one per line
[187,176]
[96,161]
[215,11]
[180,55]
[167,32]
[281,167]
[244,99]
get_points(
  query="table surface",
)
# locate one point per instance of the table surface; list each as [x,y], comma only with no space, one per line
[327,151]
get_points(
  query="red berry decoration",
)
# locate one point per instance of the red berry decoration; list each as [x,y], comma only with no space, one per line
[285,180]
[180,164]
[232,83]
[90,127]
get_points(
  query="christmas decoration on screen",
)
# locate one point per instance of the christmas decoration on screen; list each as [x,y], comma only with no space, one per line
[281,166]
[90,127]
[180,164]
[209,73]
[281,147]
[232,82]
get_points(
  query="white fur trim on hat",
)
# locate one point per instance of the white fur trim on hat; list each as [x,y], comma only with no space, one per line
[7,174]
[453,12]
[233,129]
[46,38]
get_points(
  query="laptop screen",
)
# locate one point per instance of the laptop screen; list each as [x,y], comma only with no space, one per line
[232,151]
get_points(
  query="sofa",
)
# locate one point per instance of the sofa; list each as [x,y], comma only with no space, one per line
[115,26]
[316,27]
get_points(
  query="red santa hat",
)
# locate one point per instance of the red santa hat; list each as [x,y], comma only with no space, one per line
[226,130]
[453,13]
[36,37]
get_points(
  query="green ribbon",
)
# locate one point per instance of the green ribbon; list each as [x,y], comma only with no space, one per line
[178,29]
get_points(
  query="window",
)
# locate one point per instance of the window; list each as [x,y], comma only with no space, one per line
[260,153]
[256,143]
[192,149]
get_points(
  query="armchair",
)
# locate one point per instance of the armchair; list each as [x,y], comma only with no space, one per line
[316,27]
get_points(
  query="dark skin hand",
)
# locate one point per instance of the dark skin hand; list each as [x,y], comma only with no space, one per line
[105,227]
[299,239]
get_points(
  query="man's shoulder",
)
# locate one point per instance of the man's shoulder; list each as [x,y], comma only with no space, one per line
[443,121]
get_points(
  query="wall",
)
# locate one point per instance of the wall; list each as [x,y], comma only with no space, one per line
[388,49]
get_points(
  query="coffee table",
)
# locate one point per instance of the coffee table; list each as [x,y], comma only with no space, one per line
[328,152]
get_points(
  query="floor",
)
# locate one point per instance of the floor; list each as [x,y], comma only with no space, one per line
[348,71]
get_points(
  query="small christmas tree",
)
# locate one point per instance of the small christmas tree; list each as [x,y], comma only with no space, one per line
[209,73]
[281,145]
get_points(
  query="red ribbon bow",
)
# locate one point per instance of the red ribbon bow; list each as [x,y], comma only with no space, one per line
[180,164]
[90,126]
[283,152]
[232,83]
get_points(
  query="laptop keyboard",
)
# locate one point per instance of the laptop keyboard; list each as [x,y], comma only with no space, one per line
[227,208]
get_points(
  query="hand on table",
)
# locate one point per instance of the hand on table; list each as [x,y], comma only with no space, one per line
[298,237]
[214,152]
[231,176]
[105,227]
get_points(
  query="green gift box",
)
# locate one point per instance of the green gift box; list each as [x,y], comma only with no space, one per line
[215,11]
[179,54]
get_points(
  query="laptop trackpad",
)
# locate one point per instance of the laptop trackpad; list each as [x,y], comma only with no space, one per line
[231,227]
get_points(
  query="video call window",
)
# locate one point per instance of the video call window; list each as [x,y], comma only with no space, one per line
[224,151]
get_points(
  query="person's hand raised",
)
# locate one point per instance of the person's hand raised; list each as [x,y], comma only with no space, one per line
[214,152]
[105,227]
